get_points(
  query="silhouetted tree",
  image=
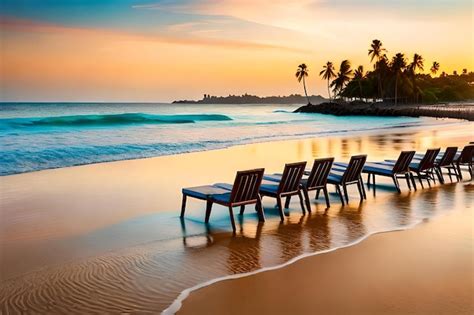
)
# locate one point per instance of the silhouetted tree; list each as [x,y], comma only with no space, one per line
[397,66]
[434,68]
[327,74]
[301,74]
[377,52]
[342,77]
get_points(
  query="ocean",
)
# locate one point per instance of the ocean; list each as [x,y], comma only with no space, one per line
[38,136]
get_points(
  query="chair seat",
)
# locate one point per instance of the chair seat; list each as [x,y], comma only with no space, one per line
[377,169]
[222,198]
[224,186]
[269,187]
[334,178]
[204,192]
[273,177]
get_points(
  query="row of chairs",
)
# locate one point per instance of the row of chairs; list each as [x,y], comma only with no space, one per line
[252,185]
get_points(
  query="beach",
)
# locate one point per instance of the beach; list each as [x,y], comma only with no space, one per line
[425,270]
[107,237]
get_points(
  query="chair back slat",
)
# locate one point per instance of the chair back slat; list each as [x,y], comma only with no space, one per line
[354,168]
[403,162]
[246,185]
[466,154]
[428,161]
[291,178]
[448,156]
[320,172]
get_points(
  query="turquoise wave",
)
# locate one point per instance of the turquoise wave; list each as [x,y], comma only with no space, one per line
[110,119]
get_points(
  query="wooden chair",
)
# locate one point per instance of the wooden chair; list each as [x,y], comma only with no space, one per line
[400,169]
[287,186]
[424,168]
[447,161]
[465,159]
[317,180]
[243,192]
[350,175]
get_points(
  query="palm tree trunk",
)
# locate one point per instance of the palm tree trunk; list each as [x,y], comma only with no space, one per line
[306,93]
[329,92]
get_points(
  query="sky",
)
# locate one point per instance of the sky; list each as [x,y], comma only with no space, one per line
[159,51]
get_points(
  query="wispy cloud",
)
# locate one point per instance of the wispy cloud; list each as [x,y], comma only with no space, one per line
[176,34]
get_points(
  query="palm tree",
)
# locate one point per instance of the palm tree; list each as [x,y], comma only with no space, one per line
[327,74]
[434,68]
[397,65]
[376,52]
[359,75]
[301,73]
[417,63]
[343,76]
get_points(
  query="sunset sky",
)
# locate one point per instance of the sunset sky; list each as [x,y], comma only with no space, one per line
[116,50]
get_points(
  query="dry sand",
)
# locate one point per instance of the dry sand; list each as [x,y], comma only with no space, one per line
[425,270]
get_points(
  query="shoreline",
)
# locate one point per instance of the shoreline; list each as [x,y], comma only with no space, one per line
[216,296]
[464,111]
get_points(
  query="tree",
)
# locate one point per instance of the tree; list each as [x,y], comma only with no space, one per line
[434,68]
[342,77]
[327,74]
[377,52]
[397,66]
[359,75]
[464,71]
[301,74]
[417,63]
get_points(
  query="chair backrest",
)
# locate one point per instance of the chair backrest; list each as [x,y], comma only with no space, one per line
[448,156]
[354,168]
[466,154]
[403,162]
[291,178]
[246,185]
[428,160]
[320,172]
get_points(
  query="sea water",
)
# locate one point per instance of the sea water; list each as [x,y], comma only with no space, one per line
[37,136]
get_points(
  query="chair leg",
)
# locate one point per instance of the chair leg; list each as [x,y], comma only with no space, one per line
[345,193]
[287,202]
[242,209]
[362,187]
[395,181]
[341,196]
[280,208]
[183,206]
[306,199]
[368,179]
[261,215]
[359,188]
[459,171]
[300,195]
[413,181]
[208,211]
[420,180]
[317,194]
[407,178]
[439,173]
[232,221]
[326,196]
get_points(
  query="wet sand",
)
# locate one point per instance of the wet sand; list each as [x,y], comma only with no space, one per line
[107,237]
[425,270]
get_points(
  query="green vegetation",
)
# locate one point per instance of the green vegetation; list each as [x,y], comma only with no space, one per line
[397,80]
